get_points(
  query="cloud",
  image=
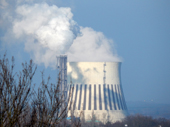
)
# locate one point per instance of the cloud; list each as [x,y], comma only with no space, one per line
[92,46]
[3,4]
[47,31]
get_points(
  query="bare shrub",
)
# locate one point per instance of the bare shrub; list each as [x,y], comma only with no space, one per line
[21,105]
[14,93]
[49,107]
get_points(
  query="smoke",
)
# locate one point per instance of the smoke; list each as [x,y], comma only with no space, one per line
[47,31]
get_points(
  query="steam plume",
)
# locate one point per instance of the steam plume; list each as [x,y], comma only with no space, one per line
[92,46]
[47,31]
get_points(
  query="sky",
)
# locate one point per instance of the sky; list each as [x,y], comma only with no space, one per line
[137,33]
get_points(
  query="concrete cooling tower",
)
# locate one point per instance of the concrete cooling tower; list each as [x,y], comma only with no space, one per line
[96,90]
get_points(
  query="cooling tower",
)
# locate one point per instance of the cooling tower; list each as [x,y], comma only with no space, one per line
[96,90]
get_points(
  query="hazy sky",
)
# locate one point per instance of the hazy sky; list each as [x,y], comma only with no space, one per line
[136,32]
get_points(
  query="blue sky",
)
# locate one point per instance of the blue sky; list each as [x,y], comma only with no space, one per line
[139,30]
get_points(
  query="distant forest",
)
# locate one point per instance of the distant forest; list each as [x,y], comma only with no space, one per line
[149,109]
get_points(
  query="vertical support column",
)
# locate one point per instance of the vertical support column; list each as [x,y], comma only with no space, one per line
[100,97]
[65,76]
[62,66]
[90,96]
[95,103]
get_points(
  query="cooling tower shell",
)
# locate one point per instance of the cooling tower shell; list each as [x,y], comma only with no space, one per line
[96,90]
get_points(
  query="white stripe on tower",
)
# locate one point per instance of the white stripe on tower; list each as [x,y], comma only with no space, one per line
[115,95]
[92,97]
[82,97]
[107,97]
[110,101]
[97,96]
[87,97]
[74,92]
[78,97]
[111,97]
[102,96]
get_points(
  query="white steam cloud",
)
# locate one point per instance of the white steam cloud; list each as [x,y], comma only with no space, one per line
[92,46]
[48,31]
